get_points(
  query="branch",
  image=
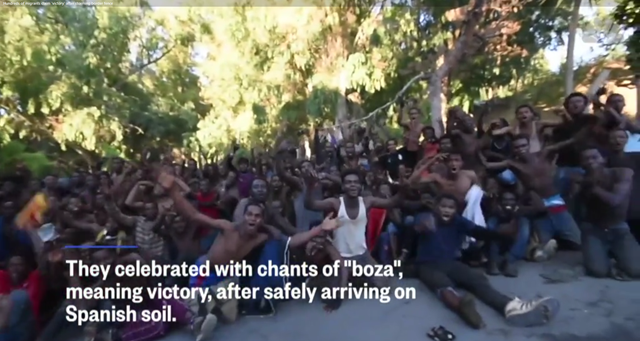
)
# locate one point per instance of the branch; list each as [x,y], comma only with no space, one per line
[140,68]
[401,93]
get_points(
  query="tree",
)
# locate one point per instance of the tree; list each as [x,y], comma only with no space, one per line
[627,15]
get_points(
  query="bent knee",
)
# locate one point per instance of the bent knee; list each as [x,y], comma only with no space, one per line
[597,271]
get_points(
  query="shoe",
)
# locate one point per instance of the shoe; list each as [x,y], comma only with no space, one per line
[207,327]
[532,313]
[509,269]
[546,252]
[468,313]
[492,269]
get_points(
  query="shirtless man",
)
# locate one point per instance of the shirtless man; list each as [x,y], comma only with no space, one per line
[412,132]
[462,128]
[234,243]
[536,172]
[351,208]
[351,160]
[457,181]
[605,194]
[259,193]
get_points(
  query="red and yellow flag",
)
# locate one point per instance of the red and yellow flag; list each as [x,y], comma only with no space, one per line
[31,214]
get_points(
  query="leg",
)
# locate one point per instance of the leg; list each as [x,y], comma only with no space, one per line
[626,250]
[17,317]
[493,250]
[438,282]
[518,249]
[365,259]
[517,312]
[477,284]
[595,251]
[57,323]
[565,226]
[544,232]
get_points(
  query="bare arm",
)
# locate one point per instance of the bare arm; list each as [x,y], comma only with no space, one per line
[133,195]
[393,202]
[493,165]
[621,189]
[117,215]
[238,213]
[318,205]
[299,239]
[185,209]
[287,178]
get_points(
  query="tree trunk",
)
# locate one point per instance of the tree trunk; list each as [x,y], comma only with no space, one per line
[449,60]
[571,44]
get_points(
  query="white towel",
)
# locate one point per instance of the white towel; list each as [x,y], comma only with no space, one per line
[473,211]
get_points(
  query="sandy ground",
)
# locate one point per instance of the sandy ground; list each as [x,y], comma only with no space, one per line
[592,310]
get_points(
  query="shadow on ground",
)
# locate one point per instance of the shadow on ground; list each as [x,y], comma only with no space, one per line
[592,310]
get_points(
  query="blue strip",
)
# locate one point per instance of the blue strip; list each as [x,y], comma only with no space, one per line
[100,247]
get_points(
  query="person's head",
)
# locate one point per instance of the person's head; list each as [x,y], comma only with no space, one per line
[414,114]
[117,164]
[75,180]
[259,189]
[351,184]
[104,180]
[350,149]
[446,207]
[385,190]
[205,186]
[275,182]
[150,210]
[616,102]
[369,178]
[253,216]
[618,139]
[328,148]
[103,257]
[178,224]
[51,182]
[590,158]
[231,177]
[427,199]
[429,134]
[177,170]
[576,103]
[525,113]
[392,145]
[243,164]
[520,145]
[9,209]
[92,181]
[306,166]
[192,165]
[500,123]
[508,201]
[454,162]
[74,204]
[446,143]
[20,265]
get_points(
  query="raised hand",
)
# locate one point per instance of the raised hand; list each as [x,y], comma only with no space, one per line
[310,177]
[330,223]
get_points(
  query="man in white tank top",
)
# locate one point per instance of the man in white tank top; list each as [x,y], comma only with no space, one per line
[350,237]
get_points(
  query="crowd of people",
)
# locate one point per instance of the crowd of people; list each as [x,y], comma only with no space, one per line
[477,196]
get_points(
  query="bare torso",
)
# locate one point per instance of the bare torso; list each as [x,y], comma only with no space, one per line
[231,245]
[536,174]
[599,212]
